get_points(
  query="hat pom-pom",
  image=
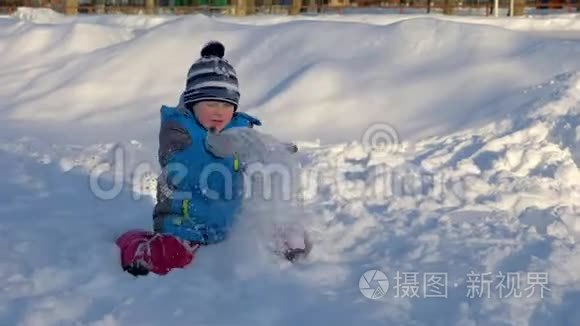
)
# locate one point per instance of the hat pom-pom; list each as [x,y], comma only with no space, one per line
[213,49]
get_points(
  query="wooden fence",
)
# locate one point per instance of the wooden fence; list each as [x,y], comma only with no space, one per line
[249,7]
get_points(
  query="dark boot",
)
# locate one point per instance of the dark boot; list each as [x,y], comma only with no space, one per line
[136,269]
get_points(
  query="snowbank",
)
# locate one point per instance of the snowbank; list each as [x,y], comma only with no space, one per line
[38,15]
[134,72]
[531,22]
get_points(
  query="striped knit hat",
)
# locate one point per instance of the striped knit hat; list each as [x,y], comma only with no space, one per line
[211,78]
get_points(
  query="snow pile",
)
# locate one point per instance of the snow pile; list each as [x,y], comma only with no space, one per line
[503,198]
[123,74]
[566,22]
[531,22]
[435,145]
[38,15]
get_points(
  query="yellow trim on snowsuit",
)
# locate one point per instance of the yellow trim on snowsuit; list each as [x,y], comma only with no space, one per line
[236,162]
[184,212]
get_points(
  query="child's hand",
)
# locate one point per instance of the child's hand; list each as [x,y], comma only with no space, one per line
[235,140]
[250,144]
[220,144]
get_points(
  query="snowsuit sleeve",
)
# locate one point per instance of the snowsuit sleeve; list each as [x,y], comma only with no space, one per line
[173,138]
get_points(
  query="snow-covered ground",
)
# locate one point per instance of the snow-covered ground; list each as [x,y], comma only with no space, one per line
[433,148]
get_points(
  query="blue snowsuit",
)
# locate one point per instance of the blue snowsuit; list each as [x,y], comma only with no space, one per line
[198,194]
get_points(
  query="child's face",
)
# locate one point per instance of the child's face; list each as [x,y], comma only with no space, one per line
[214,114]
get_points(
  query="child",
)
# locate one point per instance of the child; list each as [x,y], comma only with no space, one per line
[200,188]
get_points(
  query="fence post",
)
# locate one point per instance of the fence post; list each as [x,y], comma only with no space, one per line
[250,7]
[99,7]
[313,7]
[71,7]
[519,6]
[449,7]
[241,7]
[149,7]
[268,6]
[296,6]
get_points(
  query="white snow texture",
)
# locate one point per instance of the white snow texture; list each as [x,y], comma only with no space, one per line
[429,146]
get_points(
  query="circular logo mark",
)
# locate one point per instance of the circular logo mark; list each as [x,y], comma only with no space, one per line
[373,284]
[382,138]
